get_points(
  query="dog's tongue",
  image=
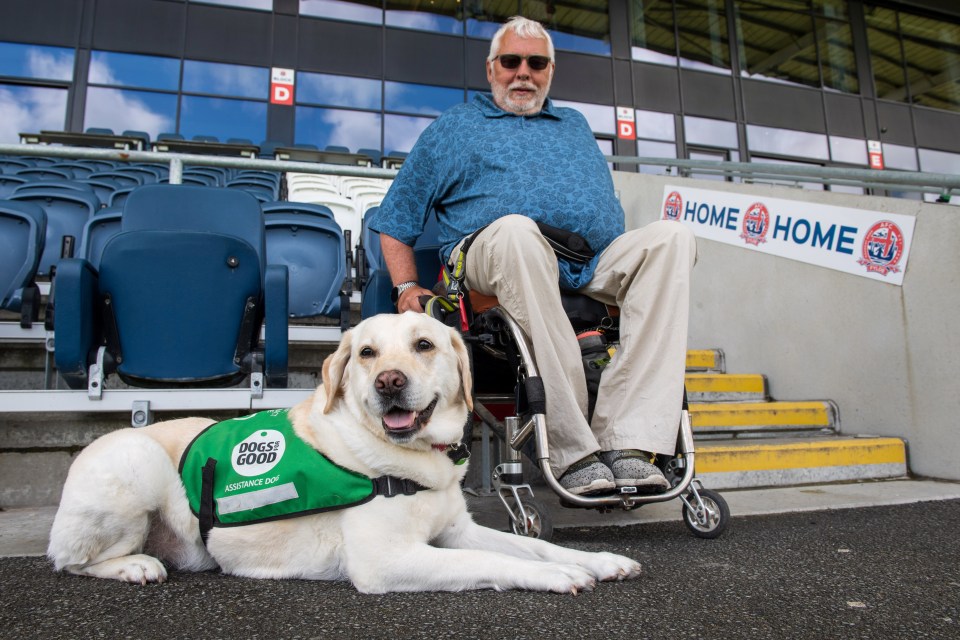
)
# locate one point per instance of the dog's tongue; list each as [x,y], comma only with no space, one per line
[398,419]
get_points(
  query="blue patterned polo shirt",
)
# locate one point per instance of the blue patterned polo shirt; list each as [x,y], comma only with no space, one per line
[477,163]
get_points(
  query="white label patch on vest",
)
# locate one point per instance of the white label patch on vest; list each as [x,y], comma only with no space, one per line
[258,453]
[256,499]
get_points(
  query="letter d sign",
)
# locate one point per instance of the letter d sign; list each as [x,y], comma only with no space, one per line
[626,123]
[281,86]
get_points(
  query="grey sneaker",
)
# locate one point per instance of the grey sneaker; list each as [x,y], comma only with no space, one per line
[587,476]
[632,468]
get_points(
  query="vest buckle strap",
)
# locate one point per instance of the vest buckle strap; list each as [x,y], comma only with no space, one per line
[390,486]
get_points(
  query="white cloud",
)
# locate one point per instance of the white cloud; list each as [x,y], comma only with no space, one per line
[29,110]
[122,110]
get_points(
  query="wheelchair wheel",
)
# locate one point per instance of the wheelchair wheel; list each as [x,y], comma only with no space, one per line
[538,520]
[713,520]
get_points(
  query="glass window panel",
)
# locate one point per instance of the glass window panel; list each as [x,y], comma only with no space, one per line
[810,186]
[369,11]
[652,34]
[656,125]
[130,70]
[338,91]
[931,49]
[34,61]
[702,25]
[714,133]
[777,41]
[848,150]
[602,119]
[443,16]
[30,110]
[226,79]
[896,156]
[351,129]
[838,65]
[939,161]
[787,142]
[223,118]
[401,132]
[420,98]
[121,110]
[606,146]
[263,5]
[885,53]
[576,26]
[648,149]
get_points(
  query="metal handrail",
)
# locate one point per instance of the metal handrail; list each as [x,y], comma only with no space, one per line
[912,181]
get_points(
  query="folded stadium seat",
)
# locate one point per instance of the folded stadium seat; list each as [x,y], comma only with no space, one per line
[218,175]
[349,185]
[170,136]
[22,234]
[118,179]
[375,296]
[101,227]
[9,183]
[297,209]
[269,190]
[79,171]
[147,175]
[67,211]
[183,289]
[103,189]
[9,165]
[161,171]
[337,148]
[203,138]
[373,154]
[323,182]
[45,173]
[97,165]
[119,196]
[344,211]
[70,185]
[313,191]
[100,131]
[314,252]
[268,148]
[143,136]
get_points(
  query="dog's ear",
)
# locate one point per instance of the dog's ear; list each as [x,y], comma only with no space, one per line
[334,369]
[463,366]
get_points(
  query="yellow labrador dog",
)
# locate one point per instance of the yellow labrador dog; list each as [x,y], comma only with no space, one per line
[394,400]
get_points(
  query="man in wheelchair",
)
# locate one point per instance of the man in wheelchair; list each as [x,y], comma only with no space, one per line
[501,172]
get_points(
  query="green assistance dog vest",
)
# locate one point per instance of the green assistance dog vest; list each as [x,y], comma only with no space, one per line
[256,469]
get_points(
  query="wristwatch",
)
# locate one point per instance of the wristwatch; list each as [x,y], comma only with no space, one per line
[400,288]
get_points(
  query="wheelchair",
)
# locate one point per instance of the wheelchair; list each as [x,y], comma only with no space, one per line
[505,375]
[505,372]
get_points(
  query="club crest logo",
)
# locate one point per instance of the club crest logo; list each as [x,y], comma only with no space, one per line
[756,223]
[882,248]
[673,207]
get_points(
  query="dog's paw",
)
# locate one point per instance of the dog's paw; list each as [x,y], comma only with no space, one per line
[561,578]
[610,566]
[136,569]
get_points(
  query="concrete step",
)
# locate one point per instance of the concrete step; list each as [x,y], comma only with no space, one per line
[726,387]
[762,417]
[711,360]
[738,463]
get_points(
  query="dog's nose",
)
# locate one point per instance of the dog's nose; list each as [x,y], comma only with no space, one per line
[390,382]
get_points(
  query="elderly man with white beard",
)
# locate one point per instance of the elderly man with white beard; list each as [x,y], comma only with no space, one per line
[493,168]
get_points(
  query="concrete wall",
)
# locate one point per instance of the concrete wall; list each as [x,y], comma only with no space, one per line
[887,355]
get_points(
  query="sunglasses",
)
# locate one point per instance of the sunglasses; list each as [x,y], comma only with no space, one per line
[512,61]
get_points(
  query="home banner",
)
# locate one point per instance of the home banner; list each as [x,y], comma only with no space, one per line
[864,243]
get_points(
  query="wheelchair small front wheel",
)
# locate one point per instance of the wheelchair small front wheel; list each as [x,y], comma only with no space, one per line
[710,521]
[538,521]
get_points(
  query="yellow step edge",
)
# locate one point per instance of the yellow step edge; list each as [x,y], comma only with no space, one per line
[702,359]
[723,458]
[725,383]
[761,413]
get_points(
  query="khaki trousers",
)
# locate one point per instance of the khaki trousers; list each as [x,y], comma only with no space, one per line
[646,272]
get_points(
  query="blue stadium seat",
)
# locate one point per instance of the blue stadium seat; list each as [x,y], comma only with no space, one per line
[257,186]
[297,208]
[119,179]
[314,252]
[183,289]
[143,136]
[67,211]
[10,165]
[375,292]
[338,148]
[46,173]
[204,138]
[103,187]
[70,185]
[146,175]
[102,131]
[10,183]
[79,171]
[101,227]
[374,155]
[22,232]
[119,196]
[170,136]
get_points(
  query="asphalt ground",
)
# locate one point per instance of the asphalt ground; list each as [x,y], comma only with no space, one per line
[877,573]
